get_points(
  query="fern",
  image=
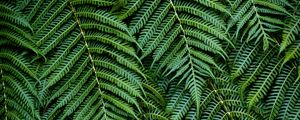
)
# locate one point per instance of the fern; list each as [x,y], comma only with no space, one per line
[149,59]
[289,33]
[293,52]
[275,99]
[249,18]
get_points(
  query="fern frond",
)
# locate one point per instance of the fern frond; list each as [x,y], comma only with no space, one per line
[73,80]
[18,39]
[290,100]
[151,27]
[292,28]
[278,91]
[23,95]
[87,104]
[191,115]
[128,9]
[67,64]
[263,84]
[118,69]
[243,59]
[107,29]
[293,52]
[70,78]
[121,105]
[116,43]
[238,113]
[255,69]
[214,4]
[250,18]
[179,102]
[18,61]
[120,83]
[70,93]
[101,16]
[7,7]
[200,11]
[149,59]
[223,102]
[62,51]
[25,79]
[208,40]
[44,20]
[16,19]
[44,34]
[34,6]
[191,64]
[157,38]
[17,30]
[144,13]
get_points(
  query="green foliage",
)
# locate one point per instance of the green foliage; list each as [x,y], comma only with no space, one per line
[150,59]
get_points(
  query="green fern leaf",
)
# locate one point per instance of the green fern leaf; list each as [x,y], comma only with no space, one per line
[263,83]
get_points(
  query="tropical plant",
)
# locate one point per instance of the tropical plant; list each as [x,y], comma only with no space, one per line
[150,59]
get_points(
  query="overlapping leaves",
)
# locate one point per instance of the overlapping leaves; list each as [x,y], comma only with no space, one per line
[149,59]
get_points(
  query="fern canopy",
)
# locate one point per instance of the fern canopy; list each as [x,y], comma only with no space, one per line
[150,59]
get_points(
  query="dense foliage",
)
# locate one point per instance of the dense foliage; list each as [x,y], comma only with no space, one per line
[150,59]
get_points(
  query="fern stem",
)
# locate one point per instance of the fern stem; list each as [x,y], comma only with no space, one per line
[4,95]
[86,45]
